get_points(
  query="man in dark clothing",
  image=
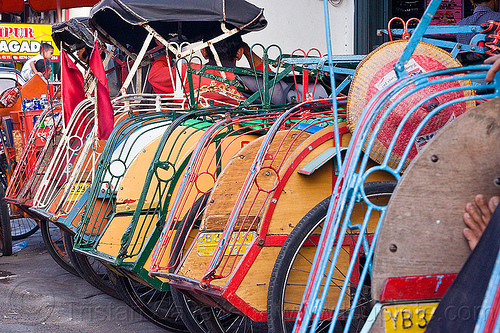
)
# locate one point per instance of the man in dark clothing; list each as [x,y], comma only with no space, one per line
[485,10]
[43,67]
[229,51]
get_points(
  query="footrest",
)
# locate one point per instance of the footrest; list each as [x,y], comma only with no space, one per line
[319,161]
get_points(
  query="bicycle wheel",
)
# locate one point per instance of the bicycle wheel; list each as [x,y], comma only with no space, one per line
[90,269]
[157,306]
[206,319]
[54,242]
[218,321]
[198,318]
[191,313]
[21,225]
[5,233]
[292,267]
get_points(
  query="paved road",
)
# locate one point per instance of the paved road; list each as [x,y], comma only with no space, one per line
[36,295]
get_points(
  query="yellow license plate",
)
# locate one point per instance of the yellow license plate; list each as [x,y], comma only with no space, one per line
[207,243]
[77,191]
[408,318]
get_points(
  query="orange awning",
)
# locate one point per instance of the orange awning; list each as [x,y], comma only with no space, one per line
[11,6]
[44,5]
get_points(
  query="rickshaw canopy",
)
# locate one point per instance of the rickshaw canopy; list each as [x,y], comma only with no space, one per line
[74,34]
[186,19]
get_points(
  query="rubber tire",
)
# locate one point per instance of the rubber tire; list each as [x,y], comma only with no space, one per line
[5,232]
[291,248]
[128,290]
[82,265]
[195,323]
[58,253]
[189,316]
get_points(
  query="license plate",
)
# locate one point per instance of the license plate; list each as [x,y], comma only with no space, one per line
[77,191]
[207,243]
[408,318]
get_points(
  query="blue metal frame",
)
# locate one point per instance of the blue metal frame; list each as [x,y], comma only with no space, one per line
[349,185]
[453,47]
[332,75]
[415,38]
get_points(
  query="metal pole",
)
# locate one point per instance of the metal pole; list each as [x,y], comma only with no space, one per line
[58,11]
[332,82]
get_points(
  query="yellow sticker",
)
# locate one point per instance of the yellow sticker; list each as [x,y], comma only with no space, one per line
[408,318]
[207,243]
[77,191]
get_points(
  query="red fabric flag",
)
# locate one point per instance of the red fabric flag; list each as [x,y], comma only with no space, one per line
[72,86]
[105,112]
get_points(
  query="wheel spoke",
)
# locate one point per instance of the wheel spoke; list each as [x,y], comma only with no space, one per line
[291,271]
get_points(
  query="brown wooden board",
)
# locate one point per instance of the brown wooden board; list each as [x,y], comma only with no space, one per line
[223,198]
[229,182]
[301,193]
[424,217]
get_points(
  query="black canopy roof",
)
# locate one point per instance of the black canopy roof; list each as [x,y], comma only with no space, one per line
[122,19]
[74,33]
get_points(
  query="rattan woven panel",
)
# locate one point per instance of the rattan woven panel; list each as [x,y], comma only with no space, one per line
[376,72]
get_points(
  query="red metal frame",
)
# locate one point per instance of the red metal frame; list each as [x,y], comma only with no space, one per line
[493,314]
[270,209]
[228,292]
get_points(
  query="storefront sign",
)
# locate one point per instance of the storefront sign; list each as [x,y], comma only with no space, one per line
[23,41]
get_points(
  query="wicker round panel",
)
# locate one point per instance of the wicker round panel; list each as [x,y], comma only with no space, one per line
[376,72]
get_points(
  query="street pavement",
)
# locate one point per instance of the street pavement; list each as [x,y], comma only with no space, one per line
[36,295]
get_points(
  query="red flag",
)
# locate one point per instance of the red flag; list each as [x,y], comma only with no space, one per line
[105,113]
[72,86]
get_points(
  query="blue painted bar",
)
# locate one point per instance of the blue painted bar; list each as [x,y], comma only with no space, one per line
[437,30]
[489,298]
[319,161]
[415,37]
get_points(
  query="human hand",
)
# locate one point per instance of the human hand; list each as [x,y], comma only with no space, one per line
[246,49]
[495,60]
[253,59]
[11,100]
[9,97]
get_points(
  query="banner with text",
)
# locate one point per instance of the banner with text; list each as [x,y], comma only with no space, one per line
[23,41]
